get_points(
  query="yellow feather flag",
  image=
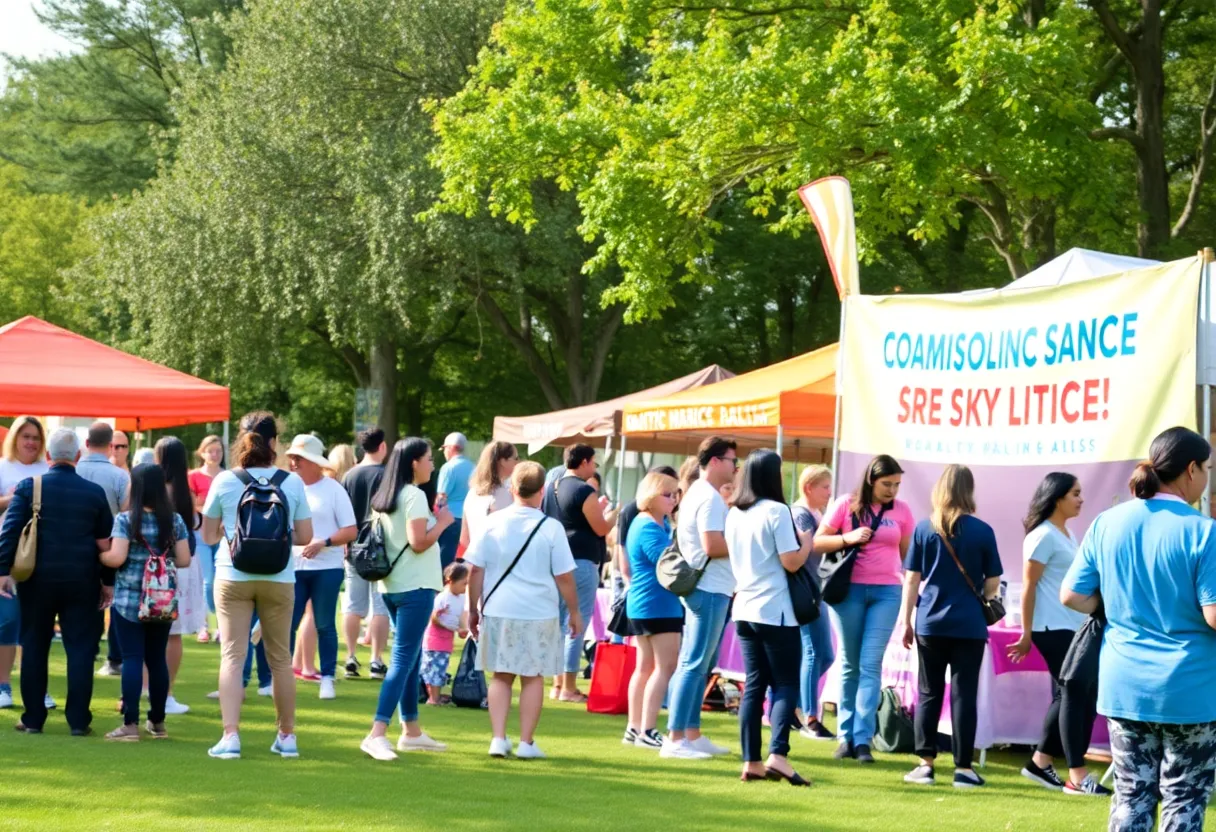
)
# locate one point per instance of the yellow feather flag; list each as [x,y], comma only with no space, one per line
[829,201]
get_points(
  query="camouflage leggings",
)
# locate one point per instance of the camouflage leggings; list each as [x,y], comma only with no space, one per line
[1159,763]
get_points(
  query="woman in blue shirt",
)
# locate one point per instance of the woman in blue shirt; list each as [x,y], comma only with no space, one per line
[1151,562]
[655,615]
[150,527]
[950,629]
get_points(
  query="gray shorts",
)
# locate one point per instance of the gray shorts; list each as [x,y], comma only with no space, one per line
[361,596]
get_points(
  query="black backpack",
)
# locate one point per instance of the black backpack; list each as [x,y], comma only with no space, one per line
[262,543]
[368,555]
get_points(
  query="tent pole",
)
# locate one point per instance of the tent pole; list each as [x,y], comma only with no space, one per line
[620,473]
[226,446]
[794,473]
[1205,282]
[839,399]
[780,440]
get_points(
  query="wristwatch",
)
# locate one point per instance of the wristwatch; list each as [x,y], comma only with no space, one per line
[327,543]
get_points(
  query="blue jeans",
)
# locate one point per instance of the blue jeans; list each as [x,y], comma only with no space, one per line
[817,656]
[264,677]
[586,582]
[864,619]
[206,555]
[703,628]
[412,612]
[769,655]
[321,586]
[449,542]
[143,643]
[10,622]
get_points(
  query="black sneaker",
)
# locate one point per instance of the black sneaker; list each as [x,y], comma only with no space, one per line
[814,730]
[963,780]
[863,755]
[1089,787]
[922,775]
[649,739]
[631,736]
[844,751]
[1045,777]
[352,668]
[377,669]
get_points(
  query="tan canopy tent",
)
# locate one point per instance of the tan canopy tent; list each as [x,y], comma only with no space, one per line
[599,421]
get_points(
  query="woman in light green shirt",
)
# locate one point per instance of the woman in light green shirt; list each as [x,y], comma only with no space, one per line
[402,507]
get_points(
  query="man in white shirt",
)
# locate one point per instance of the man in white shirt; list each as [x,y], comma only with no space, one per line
[703,544]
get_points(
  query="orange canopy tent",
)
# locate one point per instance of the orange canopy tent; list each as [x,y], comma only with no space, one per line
[791,401]
[49,371]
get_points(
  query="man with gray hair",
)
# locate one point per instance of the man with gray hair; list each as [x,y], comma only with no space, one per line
[68,581]
[97,467]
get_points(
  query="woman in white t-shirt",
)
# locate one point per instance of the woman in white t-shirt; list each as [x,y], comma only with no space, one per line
[764,547]
[488,488]
[513,612]
[402,507]
[238,594]
[319,563]
[24,457]
[1048,551]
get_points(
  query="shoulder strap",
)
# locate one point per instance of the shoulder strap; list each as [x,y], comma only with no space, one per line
[37,495]
[243,475]
[875,521]
[278,478]
[504,575]
[959,564]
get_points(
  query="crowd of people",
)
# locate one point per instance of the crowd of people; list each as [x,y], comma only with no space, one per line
[503,552]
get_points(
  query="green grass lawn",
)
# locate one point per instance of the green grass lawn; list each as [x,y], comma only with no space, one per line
[590,781]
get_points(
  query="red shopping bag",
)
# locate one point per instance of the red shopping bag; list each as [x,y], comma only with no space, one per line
[609,693]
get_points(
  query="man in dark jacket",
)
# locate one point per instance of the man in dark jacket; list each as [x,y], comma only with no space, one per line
[67,581]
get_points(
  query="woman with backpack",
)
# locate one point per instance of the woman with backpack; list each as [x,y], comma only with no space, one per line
[952,566]
[254,572]
[402,507]
[171,455]
[150,530]
[872,519]
[765,547]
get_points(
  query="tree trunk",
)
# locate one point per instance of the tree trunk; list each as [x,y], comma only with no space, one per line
[384,378]
[786,323]
[1152,176]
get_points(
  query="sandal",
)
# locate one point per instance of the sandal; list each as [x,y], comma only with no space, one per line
[577,698]
[124,733]
[156,730]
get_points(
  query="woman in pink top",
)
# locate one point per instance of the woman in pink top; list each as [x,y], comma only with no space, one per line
[866,617]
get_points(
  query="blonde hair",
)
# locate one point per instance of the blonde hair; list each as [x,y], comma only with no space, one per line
[653,485]
[10,441]
[812,474]
[953,496]
[528,479]
[341,459]
[208,440]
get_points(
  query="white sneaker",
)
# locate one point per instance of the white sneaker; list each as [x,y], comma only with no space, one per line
[419,743]
[703,745]
[49,703]
[6,699]
[175,708]
[228,748]
[529,751]
[108,669]
[266,691]
[378,748]
[327,688]
[682,750]
[500,747]
[215,694]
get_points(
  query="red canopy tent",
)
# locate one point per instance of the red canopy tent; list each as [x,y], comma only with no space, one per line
[49,371]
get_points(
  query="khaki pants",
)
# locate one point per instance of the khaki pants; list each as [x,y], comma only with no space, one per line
[235,602]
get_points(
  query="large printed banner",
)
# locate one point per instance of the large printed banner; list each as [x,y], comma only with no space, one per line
[1085,372]
[1017,383]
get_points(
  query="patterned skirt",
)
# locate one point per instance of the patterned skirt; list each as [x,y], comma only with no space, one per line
[191,602]
[522,647]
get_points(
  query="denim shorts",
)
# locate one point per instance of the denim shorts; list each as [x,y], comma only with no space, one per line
[10,622]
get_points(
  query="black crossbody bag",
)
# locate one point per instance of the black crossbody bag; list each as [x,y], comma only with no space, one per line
[836,568]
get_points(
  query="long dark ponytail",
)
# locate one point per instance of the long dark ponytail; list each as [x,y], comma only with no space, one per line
[1054,487]
[148,493]
[173,458]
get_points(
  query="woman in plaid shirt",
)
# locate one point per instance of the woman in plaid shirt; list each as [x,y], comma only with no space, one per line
[151,526]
